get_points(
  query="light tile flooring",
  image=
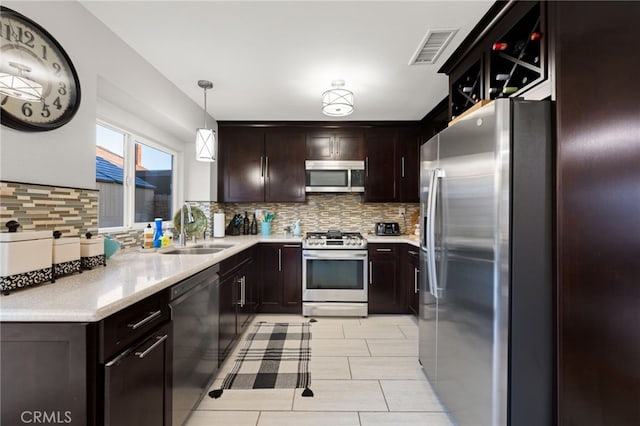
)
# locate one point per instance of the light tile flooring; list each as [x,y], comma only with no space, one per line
[364,372]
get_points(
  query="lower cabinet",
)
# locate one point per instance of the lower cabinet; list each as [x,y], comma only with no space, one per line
[137,382]
[238,302]
[411,277]
[135,364]
[386,291]
[48,371]
[280,278]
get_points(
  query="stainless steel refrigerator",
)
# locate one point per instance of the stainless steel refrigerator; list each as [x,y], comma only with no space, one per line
[486,300]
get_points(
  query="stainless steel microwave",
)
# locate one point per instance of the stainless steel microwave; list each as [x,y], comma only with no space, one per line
[334,176]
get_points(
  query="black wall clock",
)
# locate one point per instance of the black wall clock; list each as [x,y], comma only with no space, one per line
[27,50]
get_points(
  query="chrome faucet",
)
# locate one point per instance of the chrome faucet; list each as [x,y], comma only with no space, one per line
[190,219]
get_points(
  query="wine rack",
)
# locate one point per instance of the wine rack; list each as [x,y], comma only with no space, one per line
[466,91]
[517,58]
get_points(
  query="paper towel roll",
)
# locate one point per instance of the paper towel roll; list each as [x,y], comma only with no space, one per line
[218,225]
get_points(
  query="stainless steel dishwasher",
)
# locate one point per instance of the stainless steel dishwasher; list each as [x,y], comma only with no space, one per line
[194,310]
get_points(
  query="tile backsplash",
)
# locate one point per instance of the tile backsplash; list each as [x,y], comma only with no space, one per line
[71,211]
[75,211]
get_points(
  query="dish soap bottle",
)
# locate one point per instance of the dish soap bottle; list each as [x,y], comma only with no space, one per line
[254,225]
[147,237]
[157,237]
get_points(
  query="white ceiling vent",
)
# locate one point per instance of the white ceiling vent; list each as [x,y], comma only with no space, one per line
[432,46]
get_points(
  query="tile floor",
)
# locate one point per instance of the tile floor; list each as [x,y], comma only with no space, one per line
[364,372]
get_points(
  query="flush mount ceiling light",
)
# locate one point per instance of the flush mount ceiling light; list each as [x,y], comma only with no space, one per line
[18,86]
[205,138]
[337,102]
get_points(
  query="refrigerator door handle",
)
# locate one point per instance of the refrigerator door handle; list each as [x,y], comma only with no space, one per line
[436,175]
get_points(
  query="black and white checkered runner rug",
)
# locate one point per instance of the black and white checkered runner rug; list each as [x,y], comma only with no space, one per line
[275,355]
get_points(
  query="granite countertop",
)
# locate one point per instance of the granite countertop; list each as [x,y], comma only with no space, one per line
[129,277]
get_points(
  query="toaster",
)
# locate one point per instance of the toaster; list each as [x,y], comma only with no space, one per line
[387,228]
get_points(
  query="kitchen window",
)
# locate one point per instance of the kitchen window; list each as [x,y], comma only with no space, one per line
[135,178]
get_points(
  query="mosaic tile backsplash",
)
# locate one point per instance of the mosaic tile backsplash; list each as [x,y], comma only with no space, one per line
[75,211]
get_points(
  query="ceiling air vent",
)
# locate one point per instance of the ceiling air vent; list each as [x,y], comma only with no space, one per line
[432,46]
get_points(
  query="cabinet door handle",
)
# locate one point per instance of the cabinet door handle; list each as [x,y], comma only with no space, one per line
[366,166]
[243,290]
[370,272]
[279,260]
[415,280]
[159,340]
[402,165]
[383,249]
[266,166]
[151,317]
[261,166]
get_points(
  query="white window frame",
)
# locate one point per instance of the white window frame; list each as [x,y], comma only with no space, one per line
[128,177]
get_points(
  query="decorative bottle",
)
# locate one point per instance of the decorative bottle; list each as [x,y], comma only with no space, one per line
[254,225]
[245,224]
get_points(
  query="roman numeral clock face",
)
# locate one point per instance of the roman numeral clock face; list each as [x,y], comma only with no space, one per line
[39,87]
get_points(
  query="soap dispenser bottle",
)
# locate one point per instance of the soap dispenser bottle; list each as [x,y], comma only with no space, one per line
[296,228]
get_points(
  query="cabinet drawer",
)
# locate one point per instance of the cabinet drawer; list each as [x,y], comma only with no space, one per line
[125,327]
[378,250]
[235,262]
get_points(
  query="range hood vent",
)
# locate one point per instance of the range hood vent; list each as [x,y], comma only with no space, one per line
[432,46]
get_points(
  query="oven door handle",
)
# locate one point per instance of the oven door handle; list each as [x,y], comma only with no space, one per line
[320,255]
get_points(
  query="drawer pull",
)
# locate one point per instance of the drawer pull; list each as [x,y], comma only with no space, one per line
[383,249]
[411,252]
[291,245]
[159,340]
[151,317]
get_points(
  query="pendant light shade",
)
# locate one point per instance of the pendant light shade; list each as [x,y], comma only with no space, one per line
[337,102]
[206,145]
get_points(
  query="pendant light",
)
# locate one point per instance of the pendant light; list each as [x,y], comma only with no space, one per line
[205,138]
[337,102]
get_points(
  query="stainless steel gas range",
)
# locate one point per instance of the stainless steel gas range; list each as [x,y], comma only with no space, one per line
[334,274]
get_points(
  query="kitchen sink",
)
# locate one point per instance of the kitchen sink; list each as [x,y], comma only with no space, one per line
[200,248]
[195,250]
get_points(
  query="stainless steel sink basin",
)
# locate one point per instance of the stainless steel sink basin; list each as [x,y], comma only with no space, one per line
[195,250]
[214,245]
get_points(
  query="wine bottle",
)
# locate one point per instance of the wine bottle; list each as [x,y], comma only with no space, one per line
[245,224]
[254,225]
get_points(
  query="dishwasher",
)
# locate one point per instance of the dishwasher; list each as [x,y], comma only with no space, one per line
[195,315]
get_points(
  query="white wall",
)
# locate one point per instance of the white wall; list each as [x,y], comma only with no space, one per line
[116,85]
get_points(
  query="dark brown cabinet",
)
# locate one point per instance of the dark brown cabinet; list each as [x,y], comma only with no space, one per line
[48,367]
[281,278]
[392,165]
[259,164]
[135,361]
[328,145]
[386,291]
[411,276]
[137,382]
[408,175]
[237,292]
[380,165]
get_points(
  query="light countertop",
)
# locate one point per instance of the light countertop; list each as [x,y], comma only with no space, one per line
[129,277]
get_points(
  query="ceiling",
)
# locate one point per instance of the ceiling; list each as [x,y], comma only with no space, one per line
[272,60]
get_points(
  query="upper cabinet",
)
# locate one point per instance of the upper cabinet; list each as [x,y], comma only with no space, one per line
[392,161]
[334,145]
[504,58]
[261,164]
